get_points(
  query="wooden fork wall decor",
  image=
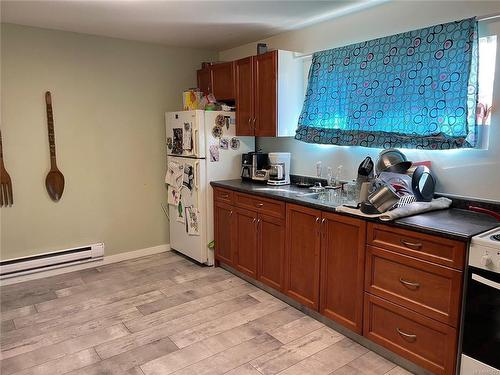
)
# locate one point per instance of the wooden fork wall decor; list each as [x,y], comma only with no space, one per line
[6,196]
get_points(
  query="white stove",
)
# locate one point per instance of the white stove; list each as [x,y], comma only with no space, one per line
[484,251]
[481,329]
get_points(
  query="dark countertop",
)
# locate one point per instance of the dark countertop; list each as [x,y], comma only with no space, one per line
[452,223]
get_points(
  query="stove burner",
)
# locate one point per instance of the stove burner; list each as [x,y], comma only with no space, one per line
[495,237]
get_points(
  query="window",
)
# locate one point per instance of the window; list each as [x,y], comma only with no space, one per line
[411,90]
[487,57]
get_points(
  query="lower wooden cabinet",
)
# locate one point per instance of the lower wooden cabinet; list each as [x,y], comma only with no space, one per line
[251,241]
[246,241]
[430,289]
[383,282]
[271,250]
[224,232]
[302,257]
[342,270]
[424,341]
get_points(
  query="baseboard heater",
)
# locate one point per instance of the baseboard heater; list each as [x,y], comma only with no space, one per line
[47,261]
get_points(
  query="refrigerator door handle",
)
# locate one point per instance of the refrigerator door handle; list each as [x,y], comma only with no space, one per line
[195,141]
[196,173]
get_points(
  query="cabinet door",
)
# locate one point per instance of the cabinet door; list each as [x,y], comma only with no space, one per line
[204,78]
[223,81]
[342,270]
[246,242]
[245,96]
[223,228]
[303,255]
[271,250]
[266,79]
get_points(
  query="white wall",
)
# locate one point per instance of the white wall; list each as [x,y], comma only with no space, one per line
[109,98]
[473,173]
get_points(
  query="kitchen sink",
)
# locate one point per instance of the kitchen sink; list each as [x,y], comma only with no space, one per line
[313,195]
[281,190]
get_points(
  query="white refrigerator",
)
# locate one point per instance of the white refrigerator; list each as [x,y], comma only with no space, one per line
[204,144]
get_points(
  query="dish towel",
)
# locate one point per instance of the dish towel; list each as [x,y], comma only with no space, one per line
[408,210]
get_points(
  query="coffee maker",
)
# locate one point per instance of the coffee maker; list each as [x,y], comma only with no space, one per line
[279,168]
[255,166]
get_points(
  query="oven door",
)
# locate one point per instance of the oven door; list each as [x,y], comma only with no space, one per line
[481,335]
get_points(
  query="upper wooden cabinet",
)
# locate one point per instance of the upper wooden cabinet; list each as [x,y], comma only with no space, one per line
[204,78]
[269,94]
[245,96]
[218,79]
[223,81]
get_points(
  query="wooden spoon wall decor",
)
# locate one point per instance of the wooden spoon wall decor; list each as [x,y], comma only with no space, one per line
[6,196]
[54,182]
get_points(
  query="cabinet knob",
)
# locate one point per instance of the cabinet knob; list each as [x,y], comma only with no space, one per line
[259,205]
[317,220]
[408,336]
[230,212]
[411,245]
[254,220]
[225,196]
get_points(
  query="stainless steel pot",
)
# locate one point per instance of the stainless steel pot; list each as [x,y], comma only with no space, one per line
[383,199]
[392,160]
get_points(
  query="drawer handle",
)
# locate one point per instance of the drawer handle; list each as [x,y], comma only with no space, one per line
[230,212]
[407,336]
[225,196]
[259,205]
[409,283]
[254,220]
[411,245]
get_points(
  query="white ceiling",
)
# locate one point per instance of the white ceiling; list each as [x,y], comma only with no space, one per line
[213,25]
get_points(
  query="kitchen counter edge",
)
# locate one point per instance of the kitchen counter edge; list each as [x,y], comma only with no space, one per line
[452,223]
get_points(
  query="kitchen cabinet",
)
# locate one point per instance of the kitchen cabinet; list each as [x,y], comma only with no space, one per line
[271,250]
[218,79]
[427,288]
[413,289]
[246,241]
[254,229]
[266,96]
[342,270]
[245,96]
[424,341]
[223,81]
[302,258]
[397,287]
[224,232]
[269,94]
[204,79]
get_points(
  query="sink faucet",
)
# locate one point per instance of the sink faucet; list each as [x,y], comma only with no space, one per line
[317,187]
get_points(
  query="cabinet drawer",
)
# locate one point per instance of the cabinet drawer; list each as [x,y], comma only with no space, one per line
[422,340]
[423,246]
[427,288]
[263,205]
[223,195]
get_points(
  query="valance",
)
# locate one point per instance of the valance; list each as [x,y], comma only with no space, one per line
[416,89]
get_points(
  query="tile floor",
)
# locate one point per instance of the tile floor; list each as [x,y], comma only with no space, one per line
[160,315]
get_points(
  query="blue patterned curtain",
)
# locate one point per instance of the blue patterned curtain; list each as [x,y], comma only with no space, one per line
[412,90]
